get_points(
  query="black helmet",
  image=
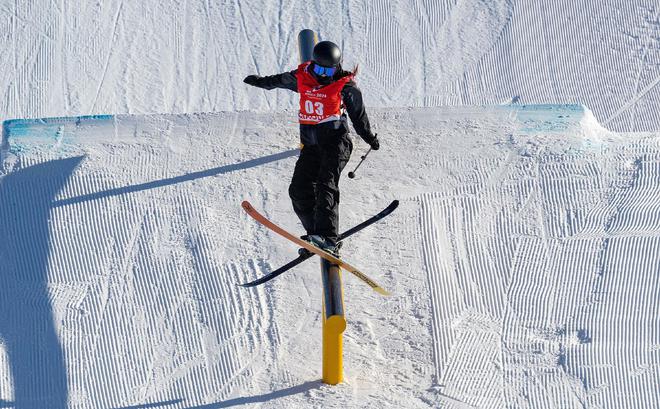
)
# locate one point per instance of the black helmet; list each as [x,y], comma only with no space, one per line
[327,54]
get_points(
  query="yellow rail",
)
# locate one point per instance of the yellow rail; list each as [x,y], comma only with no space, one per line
[334,324]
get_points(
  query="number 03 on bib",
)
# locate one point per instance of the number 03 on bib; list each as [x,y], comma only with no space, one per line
[319,104]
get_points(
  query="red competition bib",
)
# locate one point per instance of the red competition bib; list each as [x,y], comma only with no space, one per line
[318,103]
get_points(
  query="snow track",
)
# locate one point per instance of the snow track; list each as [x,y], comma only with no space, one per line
[526,276]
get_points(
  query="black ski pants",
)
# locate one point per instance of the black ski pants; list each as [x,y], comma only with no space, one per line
[314,188]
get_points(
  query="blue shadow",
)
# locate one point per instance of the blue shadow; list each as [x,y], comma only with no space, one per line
[35,355]
[247,400]
[178,179]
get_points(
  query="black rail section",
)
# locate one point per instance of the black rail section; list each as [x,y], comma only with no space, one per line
[333,297]
[307,39]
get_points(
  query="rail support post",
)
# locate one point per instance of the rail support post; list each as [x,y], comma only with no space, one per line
[334,323]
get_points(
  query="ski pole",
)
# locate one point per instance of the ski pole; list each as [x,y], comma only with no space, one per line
[352,174]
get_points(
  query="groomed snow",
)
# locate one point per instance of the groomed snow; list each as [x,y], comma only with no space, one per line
[80,57]
[523,259]
[522,262]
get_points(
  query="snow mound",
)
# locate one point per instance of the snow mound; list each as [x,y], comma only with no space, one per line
[74,58]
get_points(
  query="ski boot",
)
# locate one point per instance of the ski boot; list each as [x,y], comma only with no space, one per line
[325,244]
[303,251]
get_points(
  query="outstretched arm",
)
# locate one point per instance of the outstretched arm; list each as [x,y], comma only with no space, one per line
[286,80]
[352,97]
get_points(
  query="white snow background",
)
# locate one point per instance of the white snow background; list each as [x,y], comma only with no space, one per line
[522,138]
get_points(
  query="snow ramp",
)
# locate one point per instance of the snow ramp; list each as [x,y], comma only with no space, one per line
[523,262]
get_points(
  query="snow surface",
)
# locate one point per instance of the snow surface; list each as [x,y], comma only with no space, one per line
[523,259]
[523,262]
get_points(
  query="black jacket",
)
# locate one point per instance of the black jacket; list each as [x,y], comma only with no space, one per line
[314,134]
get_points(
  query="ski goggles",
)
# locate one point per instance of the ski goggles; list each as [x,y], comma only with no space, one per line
[324,71]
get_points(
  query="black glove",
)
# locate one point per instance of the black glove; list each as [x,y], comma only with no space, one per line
[373,142]
[251,79]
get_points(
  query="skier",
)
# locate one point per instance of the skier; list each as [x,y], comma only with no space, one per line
[327,92]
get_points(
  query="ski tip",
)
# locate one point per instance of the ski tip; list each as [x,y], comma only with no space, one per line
[391,207]
[246,205]
[249,284]
[382,291]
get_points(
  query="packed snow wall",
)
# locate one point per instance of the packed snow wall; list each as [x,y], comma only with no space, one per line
[522,261]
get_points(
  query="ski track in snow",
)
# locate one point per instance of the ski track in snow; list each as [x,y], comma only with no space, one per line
[76,57]
[522,260]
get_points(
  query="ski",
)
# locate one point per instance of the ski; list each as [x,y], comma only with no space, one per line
[302,243]
[306,255]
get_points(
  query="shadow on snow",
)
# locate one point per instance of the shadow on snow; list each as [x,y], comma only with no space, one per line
[35,355]
[27,328]
[294,390]
[177,179]
[153,405]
